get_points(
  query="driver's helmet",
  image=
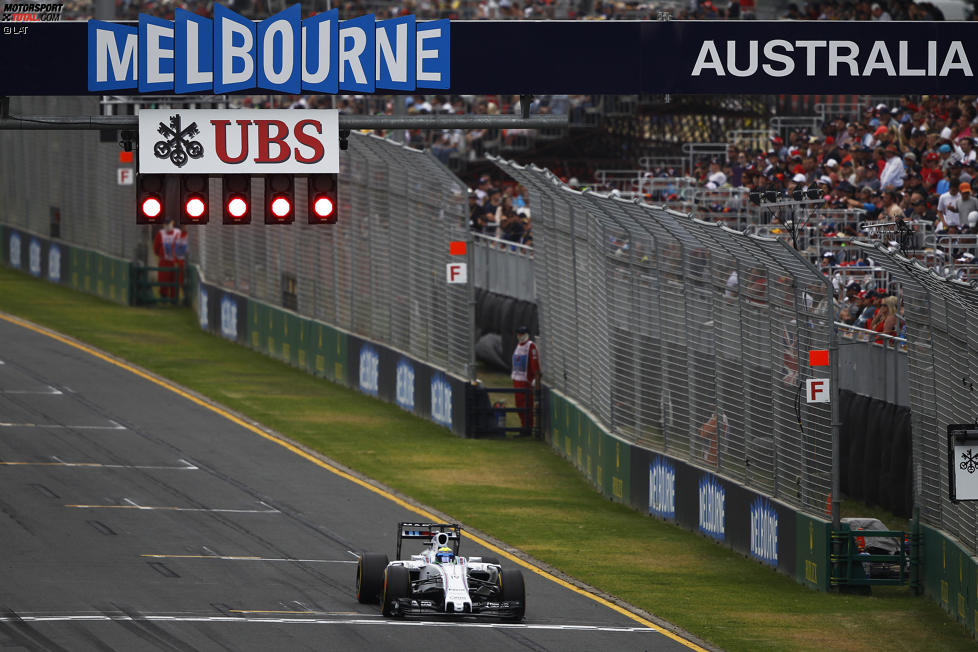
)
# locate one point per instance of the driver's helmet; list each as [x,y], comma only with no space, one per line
[444,555]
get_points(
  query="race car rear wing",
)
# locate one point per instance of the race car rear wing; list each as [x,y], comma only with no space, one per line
[447,533]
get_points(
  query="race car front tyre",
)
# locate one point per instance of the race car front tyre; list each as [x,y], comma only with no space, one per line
[397,584]
[512,590]
[370,577]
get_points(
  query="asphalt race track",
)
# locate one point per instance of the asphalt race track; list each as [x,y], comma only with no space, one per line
[135,517]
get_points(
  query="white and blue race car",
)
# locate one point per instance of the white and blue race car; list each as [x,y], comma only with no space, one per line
[439,580]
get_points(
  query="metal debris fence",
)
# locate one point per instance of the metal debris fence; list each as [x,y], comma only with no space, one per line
[684,336]
[942,333]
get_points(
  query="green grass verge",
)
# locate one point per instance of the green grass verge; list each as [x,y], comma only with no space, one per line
[518,491]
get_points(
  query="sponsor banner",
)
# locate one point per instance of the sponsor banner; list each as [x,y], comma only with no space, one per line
[57,262]
[751,523]
[391,376]
[36,255]
[283,54]
[662,487]
[243,142]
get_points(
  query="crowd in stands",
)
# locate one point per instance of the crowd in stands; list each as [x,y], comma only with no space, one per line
[499,210]
[908,167]
[533,9]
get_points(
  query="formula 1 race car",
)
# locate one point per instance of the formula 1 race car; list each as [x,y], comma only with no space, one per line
[438,580]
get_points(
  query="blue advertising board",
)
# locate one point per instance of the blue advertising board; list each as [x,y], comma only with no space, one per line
[363,55]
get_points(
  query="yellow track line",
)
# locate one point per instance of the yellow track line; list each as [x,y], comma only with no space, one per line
[341,473]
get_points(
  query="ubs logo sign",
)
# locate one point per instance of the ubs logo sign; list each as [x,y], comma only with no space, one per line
[369,369]
[662,488]
[261,141]
[405,384]
[177,144]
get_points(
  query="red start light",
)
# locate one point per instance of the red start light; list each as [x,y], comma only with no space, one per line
[237,207]
[323,207]
[281,207]
[152,207]
[195,207]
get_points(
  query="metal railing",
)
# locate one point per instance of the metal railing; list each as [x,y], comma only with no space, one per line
[683,336]
[942,337]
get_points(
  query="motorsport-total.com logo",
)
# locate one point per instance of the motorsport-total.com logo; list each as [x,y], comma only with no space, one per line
[30,12]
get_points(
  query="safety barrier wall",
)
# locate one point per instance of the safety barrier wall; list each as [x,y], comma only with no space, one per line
[749,522]
[951,576]
[334,354]
[59,262]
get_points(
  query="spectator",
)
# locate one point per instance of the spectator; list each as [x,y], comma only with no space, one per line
[947,209]
[886,320]
[967,203]
[893,171]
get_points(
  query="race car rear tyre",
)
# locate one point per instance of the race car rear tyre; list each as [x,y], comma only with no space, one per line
[370,577]
[512,590]
[491,560]
[397,584]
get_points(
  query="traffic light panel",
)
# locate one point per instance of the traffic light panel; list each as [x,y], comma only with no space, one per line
[322,198]
[150,199]
[279,199]
[237,199]
[193,198]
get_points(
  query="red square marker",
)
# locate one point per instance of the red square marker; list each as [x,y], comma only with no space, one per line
[818,358]
[456,248]
[125,157]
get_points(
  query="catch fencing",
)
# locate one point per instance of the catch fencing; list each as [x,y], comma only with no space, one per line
[380,273]
[64,184]
[942,333]
[684,336]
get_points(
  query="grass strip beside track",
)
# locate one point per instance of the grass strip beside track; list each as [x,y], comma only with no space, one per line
[517,491]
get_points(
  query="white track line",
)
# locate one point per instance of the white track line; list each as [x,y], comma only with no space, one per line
[133,505]
[250,558]
[51,391]
[97,465]
[320,621]
[114,426]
